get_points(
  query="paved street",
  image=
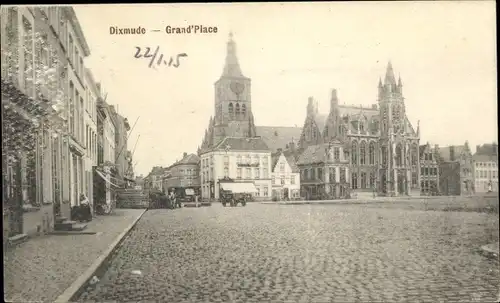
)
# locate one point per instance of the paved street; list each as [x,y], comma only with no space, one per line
[43,267]
[304,253]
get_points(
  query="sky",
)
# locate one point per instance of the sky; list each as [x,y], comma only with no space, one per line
[445,53]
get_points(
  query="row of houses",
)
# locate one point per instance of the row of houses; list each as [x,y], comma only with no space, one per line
[451,170]
[454,170]
[60,135]
[349,151]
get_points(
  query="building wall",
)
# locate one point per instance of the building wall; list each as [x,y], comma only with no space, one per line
[184,175]
[216,165]
[485,173]
[283,177]
[450,181]
[429,172]
[90,120]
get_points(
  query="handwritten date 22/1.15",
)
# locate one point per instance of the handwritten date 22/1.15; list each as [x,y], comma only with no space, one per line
[158,60]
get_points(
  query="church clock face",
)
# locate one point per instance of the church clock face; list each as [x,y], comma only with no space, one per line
[237,87]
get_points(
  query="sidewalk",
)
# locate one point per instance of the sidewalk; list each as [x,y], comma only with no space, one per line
[44,267]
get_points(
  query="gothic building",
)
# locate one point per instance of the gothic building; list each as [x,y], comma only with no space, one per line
[233,104]
[233,110]
[381,144]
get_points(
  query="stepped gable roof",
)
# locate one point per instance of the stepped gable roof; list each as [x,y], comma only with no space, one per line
[242,144]
[278,136]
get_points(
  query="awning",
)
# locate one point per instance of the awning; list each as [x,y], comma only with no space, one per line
[106,179]
[239,188]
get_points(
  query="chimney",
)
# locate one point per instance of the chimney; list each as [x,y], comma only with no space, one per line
[280,150]
[292,145]
[184,155]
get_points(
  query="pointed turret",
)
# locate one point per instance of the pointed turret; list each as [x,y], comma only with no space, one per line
[232,67]
[418,128]
[389,75]
[334,101]
[311,107]
[251,127]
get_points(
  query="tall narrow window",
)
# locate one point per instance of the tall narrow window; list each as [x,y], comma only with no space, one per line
[332,175]
[28,57]
[362,153]
[243,110]
[354,153]
[237,111]
[363,180]
[414,154]
[71,108]
[399,158]
[372,179]
[231,111]
[371,153]
[343,175]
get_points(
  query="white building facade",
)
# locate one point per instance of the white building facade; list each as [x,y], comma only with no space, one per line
[242,160]
[109,150]
[485,173]
[285,177]
[90,120]
[77,50]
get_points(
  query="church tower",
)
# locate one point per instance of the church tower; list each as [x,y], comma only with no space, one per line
[233,106]
[394,144]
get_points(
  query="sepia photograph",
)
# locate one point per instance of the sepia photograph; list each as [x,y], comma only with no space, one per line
[250,152]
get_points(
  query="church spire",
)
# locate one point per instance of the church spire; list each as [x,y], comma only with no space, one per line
[389,75]
[232,67]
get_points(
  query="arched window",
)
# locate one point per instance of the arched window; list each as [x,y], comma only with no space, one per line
[354,153]
[363,180]
[414,154]
[237,111]
[243,110]
[231,110]
[399,157]
[371,153]
[326,131]
[362,153]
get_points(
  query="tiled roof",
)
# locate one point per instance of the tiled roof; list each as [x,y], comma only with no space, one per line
[278,136]
[484,158]
[312,154]
[291,159]
[188,159]
[444,152]
[242,144]
[356,110]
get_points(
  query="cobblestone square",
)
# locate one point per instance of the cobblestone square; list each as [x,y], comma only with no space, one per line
[304,253]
